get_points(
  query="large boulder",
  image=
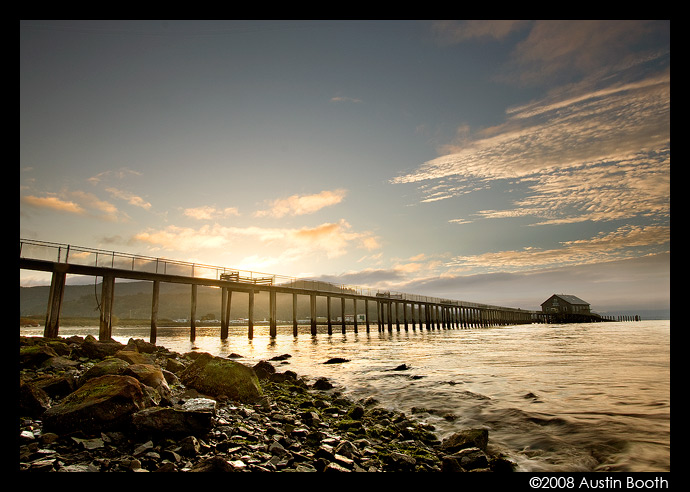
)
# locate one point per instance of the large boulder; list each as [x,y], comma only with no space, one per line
[222,378]
[101,404]
[108,366]
[193,417]
[152,376]
[35,355]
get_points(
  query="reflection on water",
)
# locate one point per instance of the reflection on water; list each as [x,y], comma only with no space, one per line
[576,397]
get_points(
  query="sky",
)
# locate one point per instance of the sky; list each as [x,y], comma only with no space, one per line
[497,162]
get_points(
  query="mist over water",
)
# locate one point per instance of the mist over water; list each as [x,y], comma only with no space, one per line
[573,397]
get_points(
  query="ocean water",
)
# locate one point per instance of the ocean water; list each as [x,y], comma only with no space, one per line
[555,398]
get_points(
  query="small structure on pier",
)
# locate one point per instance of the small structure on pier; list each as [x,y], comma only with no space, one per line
[565,308]
[564,304]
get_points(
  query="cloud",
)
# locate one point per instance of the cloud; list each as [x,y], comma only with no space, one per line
[209,212]
[54,203]
[329,239]
[452,32]
[79,203]
[624,242]
[303,204]
[130,198]
[604,154]
[117,174]
[339,99]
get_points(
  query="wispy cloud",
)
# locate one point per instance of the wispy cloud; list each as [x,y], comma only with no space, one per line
[622,243]
[76,202]
[207,212]
[344,99]
[116,174]
[130,198]
[302,204]
[595,152]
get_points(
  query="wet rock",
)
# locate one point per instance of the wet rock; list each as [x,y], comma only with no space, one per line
[336,360]
[173,421]
[109,365]
[33,401]
[322,384]
[134,357]
[213,464]
[467,438]
[97,349]
[35,355]
[222,378]
[103,403]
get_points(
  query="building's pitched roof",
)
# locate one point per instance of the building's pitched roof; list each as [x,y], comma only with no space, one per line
[569,299]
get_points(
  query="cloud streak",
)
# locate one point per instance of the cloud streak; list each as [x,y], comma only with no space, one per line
[302,204]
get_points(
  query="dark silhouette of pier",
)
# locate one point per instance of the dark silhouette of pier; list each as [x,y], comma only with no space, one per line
[394,310]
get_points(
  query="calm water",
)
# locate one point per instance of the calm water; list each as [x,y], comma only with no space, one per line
[576,397]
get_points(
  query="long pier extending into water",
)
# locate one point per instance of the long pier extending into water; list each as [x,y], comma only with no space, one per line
[393,310]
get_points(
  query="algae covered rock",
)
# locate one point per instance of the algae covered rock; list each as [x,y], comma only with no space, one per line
[220,378]
[103,403]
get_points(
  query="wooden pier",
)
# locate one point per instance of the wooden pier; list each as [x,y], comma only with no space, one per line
[394,311]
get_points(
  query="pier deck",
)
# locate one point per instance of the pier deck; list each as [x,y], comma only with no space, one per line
[393,309]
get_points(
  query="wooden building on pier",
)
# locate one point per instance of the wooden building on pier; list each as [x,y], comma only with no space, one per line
[565,308]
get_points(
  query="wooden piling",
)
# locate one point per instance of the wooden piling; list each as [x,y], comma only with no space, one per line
[250,314]
[105,329]
[154,311]
[294,314]
[57,292]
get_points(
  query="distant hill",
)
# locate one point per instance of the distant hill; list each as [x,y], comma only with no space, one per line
[133,300]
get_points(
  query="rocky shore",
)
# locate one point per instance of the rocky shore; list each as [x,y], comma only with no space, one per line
[89,405]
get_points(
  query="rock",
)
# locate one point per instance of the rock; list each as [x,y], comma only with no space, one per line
[103,403]
[264,370]
[213,464]
[174,365]
[471,458]
[172,421]
[109,365]
[97,349]
[57,386]
[467,438]
[336,360]
[59,363]
[35,355]
[220,377]
[33,401]
[134,357]
[143,346]
[151,376]
[322,384]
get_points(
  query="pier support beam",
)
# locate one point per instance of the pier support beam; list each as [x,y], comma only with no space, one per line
[192,316]
[250,315]
[272,314]
[366,313]
[57,292]
[154,311]
[294,315]
[328,315]
[225,315]
[105,329]
[312,306]
[342,313]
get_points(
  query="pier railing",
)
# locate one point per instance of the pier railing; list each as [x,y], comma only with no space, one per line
[79,255]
